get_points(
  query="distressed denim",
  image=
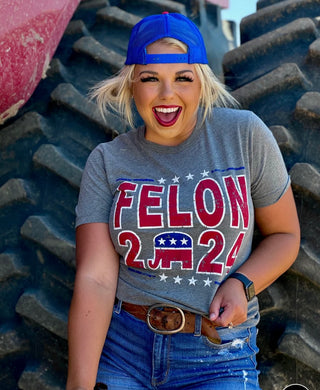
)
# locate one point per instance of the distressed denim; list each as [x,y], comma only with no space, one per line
[135,358]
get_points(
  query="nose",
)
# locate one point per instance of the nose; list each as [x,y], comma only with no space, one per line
[166,90]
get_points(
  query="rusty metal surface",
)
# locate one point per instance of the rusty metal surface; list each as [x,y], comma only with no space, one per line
[30,31]
[220,3]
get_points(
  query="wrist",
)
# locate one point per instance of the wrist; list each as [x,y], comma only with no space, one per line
[77,388]
[247,284]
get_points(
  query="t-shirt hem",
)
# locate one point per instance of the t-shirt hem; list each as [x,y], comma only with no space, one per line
[270,199]
[83,221]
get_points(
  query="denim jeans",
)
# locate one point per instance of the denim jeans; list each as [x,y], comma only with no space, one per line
[135,358]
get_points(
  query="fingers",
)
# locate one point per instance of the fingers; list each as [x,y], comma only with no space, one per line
[229,306]
[226,316]
[229,317]
[215,310]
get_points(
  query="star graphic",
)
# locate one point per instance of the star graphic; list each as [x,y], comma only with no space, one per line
[190,177]
[177,279]
[207,282]
[162,180]
[205,173]
[184,241]
[173,241]
[192,281]
[176,179]
[162,241]
[163,277]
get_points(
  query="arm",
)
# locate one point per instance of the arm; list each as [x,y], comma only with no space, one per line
[92,303]
[277,251]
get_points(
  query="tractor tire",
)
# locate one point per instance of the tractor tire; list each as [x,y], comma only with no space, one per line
[43,152]
[276,73]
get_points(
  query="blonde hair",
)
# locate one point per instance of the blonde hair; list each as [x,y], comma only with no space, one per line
[116,92]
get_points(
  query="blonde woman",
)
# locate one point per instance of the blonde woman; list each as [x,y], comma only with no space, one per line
[166,282]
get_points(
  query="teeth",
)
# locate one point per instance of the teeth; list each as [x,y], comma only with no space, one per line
[167,110]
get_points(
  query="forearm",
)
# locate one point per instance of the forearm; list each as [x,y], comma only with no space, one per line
[268,261]
[279,225]
[89,318]
[272,257]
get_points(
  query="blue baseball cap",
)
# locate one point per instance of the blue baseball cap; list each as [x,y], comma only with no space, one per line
[155,27]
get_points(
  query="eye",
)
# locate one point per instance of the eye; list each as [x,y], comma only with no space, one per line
[151,79]
[184,78]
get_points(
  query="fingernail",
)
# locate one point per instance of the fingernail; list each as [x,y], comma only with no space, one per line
[212,317]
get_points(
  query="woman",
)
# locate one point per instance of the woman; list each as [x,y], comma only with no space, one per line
[165,220]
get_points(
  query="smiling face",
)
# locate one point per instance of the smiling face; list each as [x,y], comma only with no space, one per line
[167,97]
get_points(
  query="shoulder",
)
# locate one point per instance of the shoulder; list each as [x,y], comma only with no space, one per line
[242,121]
[122,141]
[235,116]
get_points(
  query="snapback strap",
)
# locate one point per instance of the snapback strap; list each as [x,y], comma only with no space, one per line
[166,58]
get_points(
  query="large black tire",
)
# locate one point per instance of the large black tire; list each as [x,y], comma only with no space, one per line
[43,151]
[276,74]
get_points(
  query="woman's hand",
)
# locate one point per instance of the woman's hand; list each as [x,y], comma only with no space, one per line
[279,226]
[229,306]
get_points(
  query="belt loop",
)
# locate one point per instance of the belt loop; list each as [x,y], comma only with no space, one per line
[197,325]
[117,306]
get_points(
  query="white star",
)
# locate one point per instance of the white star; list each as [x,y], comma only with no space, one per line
[190,177]
[163,277]
[177,279]
[205,173]
[162,180]
[184,241]
[162,241]
[207,282]
[192,281]
[176,179]
[173,241]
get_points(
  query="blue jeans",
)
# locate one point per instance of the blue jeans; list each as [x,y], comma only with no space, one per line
[135,358]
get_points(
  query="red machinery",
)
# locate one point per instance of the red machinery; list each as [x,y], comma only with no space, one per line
[220,3]
[30,31]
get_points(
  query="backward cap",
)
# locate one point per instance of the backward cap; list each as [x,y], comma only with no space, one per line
[155,27]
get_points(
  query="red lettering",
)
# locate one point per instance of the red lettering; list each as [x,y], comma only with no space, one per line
[233,253]
[146,201]
[175,217]
[124,201]
[208,263]
[207,218]
[127,238]
[238,200]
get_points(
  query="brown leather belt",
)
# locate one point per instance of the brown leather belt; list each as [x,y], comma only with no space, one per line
[169,319]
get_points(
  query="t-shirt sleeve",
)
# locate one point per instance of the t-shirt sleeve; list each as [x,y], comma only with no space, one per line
[95,197]
[270,178]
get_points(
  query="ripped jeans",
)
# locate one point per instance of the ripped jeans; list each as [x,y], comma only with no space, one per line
[135,358]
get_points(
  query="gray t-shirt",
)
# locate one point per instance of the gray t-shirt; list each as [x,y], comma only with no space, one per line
[182,217]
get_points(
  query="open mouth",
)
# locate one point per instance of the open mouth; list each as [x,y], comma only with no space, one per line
[167,115]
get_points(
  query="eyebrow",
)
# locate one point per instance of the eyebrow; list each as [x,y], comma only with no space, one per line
[155,73]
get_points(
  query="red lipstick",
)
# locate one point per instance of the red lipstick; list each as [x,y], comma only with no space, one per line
[167,115]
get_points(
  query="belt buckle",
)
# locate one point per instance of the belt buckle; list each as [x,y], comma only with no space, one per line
[166,332]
